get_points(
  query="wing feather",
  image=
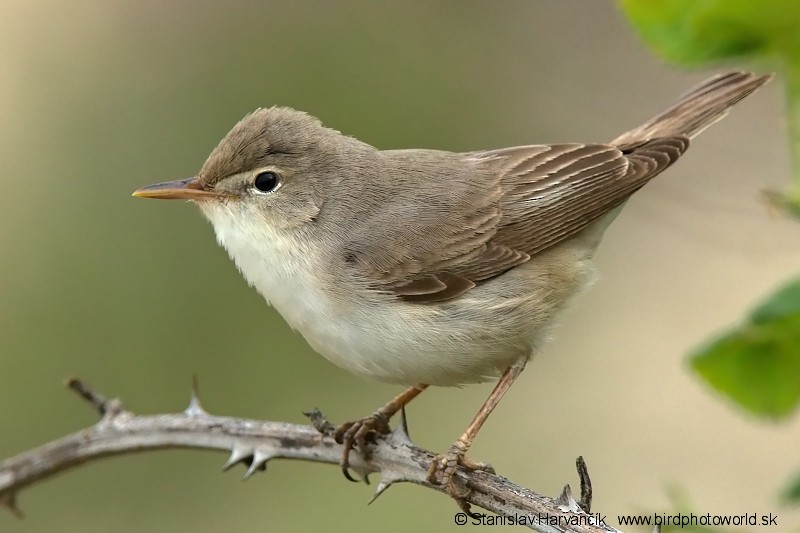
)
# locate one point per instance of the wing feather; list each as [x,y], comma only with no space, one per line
[498,208]
[533,197]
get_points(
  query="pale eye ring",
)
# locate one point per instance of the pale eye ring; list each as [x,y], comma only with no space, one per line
[266,181]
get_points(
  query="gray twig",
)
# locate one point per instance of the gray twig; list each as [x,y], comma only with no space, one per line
[254,443]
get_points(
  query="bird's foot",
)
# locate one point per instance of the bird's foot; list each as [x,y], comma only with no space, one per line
[356,435]
[442,472]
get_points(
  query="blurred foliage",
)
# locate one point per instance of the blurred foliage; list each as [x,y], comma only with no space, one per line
[792,493]
[694,33]
[691,32]
[682,508]
[758,363]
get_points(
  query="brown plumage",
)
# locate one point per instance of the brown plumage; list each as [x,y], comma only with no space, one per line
[426,267]
[537,196]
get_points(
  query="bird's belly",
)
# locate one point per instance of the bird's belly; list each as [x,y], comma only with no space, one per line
[467,340]
[403,347]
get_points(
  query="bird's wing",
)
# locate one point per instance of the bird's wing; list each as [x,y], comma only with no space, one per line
[525,200]
[553,192]
[520,201]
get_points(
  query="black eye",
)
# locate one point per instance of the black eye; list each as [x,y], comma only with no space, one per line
[267,181]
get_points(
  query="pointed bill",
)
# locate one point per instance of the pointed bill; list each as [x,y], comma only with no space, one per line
[186,189]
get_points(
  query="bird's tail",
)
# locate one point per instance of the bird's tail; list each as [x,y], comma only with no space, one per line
[697,109]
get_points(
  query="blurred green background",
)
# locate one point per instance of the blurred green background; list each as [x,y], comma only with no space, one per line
[99,98]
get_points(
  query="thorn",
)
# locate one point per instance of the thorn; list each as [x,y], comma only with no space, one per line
[195,408]
[380,489]
[258,463]
[400,434]
[9,501]
[566,503]
[238,454]
[385,482]
[565,496]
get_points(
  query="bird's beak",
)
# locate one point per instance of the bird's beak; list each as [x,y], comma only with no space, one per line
[188,189]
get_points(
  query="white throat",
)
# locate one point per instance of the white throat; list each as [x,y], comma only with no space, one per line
[281,268]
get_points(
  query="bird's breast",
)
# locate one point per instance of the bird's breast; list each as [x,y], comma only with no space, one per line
[282,268]
[466,340]
[341,323]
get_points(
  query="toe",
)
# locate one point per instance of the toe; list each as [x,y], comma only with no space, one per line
[356,435]
[341,431]
[469,464]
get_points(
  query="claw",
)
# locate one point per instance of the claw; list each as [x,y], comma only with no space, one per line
[345,435]
[355,435]
[346,473]
[466,508]
[442,472]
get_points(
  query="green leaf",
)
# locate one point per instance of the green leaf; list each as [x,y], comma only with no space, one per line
[758,364]
[692,32]
[792,493]
[696,32]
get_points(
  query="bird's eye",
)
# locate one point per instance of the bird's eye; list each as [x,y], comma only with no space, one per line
[266,181]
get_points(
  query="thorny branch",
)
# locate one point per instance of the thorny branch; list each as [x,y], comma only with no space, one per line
[254,442]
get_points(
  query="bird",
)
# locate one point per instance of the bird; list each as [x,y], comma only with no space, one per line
[426,267]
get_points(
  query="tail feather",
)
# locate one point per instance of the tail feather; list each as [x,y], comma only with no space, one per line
[697,109]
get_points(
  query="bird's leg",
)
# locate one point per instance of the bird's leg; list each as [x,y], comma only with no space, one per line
[352,434]
[443,467]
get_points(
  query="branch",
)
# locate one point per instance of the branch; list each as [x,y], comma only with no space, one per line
[254,443]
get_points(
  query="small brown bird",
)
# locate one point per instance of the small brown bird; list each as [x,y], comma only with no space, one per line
[425,267]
